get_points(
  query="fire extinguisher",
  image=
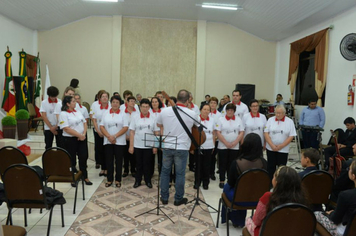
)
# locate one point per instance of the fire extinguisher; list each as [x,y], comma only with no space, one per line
[350,96]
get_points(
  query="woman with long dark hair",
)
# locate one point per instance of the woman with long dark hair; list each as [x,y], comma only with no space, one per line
[74,128]
[287,188]
[335,221]
[250,157]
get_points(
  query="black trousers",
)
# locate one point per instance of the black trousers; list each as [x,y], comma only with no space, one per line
[203,162]
[143,164]
[129,160]
[275,159]
[310,139]
[114,153]
[213,159]
[226,156]
[191,161]
[49,136]
[75,147]
[99,150]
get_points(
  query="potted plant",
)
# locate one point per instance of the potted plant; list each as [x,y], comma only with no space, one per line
[22,117]
[9,127]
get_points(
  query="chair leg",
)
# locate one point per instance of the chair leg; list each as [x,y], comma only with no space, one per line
[62,215]
[29,210]
[9,219]
[41,211]
[227,221]
[219,208]
[54,185]
[25,216]
[83,188]
[49,221]
[75,197]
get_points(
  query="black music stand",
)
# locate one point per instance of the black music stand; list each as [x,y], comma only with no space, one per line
[197,199]
[318,130]
[156,141]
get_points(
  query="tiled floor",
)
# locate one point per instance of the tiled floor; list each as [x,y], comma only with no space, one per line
[112,221]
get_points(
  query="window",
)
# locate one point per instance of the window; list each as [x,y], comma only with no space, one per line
[305,85]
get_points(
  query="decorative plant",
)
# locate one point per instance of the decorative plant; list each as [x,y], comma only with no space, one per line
[22,114]
[8,121]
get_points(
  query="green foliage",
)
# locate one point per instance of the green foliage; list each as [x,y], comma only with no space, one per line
[8,121]
[22,114]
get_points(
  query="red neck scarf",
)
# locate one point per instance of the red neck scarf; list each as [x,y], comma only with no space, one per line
[258,115]
[281,119]
[101,106]
[69,111]
[50,101]
[147,116]
[228,118]
[116,112]
[237,104]
[158,111]
[202,119]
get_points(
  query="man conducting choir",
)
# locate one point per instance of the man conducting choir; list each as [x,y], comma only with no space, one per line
[170,125]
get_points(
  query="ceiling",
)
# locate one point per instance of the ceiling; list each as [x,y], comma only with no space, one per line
[271,20]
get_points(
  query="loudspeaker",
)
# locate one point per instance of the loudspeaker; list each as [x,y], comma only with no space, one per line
[247,91]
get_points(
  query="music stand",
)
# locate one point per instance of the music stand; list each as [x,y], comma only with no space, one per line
[197,199]
[156,141]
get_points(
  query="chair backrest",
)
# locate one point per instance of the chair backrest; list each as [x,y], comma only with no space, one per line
[251,185]
[351,226]
[318,184]
[11,155]
[31,110]
[56,161]
[290,219]
[87,106]
[23,187]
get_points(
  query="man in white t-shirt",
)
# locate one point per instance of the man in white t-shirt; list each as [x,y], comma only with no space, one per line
[47,108]
[241,108]
[177,154]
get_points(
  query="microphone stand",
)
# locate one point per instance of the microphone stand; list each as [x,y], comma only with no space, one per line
[159,154]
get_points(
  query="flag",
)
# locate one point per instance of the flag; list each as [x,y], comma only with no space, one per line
[48,82]
[9,101]
[24,97]
[38,90]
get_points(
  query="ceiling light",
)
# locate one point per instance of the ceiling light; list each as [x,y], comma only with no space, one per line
[220,6]
[103,0]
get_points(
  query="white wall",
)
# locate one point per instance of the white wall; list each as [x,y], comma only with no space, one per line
[340,71]
[236,57]
[17,37]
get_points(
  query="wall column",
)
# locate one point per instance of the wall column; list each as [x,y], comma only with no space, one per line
[200,67]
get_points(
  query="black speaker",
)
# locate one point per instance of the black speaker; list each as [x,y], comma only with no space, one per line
[247,91]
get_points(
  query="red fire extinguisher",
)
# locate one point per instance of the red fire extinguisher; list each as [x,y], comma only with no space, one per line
[350,96]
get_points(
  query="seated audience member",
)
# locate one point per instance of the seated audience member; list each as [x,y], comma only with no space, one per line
[287,188]
[250,157]
[345,142]
[335,221]
[309,161]
[343,182]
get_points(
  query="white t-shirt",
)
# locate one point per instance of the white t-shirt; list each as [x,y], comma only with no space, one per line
[279,131]
[215,115]
[113,123]
[124,106]
[230,129]
[255,124]
[173,128]
[144,128]
[74,120]
[96,105]
[195,108]
[49,107]
[83,110]
[209,124]
[98,111]
[241,109]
